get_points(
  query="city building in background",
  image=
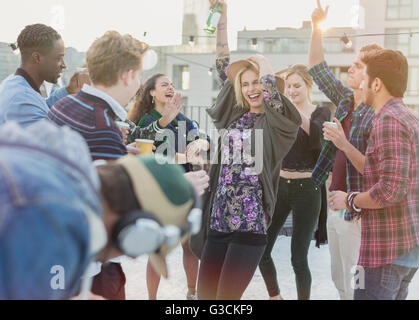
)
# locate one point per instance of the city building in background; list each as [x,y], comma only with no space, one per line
[402,16]
[8,60]
[191,65]
[287,46]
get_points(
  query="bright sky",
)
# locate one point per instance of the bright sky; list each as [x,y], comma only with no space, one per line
[288,13]
[81,21]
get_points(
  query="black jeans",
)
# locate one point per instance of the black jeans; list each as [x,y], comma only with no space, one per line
[226,269]
[304,199]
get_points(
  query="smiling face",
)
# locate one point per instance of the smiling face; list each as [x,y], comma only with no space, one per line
[251,90]
[356,72]
[164,90]
[297,90]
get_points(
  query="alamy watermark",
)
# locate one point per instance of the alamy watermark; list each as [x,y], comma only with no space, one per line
[235,146]
[58,279]
[358,278]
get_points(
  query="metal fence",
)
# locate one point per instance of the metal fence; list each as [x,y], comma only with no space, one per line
[199,115]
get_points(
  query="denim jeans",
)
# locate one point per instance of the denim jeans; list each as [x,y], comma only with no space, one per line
[388,282]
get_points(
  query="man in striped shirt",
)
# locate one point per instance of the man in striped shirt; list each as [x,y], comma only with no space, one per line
[389,255]
[114,65]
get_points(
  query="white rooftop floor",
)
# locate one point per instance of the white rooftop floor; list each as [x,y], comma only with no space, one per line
[175,287]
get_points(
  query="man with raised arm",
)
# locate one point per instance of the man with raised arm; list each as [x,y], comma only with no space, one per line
[389,255]
[343,154]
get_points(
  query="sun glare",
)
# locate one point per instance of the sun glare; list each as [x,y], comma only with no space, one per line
[324,26]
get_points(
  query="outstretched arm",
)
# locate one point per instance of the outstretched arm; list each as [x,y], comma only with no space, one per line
[316,54]
[319,70]
[222,49]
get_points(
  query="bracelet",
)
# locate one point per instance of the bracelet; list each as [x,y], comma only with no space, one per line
[355,208]
[349,199]
[347,202]
[351,202]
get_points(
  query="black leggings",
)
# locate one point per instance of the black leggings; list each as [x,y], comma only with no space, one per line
[227,269]
[304,199]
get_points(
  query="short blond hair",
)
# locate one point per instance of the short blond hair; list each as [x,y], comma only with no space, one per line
[111,55]
[241,101]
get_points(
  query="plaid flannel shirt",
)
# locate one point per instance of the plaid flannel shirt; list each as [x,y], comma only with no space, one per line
[391,178]
[362,120]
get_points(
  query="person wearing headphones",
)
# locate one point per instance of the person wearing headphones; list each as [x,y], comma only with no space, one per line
[59,213]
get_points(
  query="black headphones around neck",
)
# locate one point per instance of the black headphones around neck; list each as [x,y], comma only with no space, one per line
[140,232]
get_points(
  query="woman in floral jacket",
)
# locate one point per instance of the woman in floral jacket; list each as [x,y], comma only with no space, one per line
[253,118]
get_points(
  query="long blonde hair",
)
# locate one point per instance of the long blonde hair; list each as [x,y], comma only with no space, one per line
[302,71]
[241,101]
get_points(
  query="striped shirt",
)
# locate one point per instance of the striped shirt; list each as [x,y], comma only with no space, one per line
[362,119]
[391,178]
[94,118]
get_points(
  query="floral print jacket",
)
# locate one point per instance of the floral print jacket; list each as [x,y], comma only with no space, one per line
[237,205]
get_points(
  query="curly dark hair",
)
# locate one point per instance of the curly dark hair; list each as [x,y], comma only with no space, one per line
[143,101]
[36,37]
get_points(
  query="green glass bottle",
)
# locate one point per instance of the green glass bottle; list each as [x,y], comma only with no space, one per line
[213,18]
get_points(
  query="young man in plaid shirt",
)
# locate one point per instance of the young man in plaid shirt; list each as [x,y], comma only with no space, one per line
[389,254]
[344,153]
